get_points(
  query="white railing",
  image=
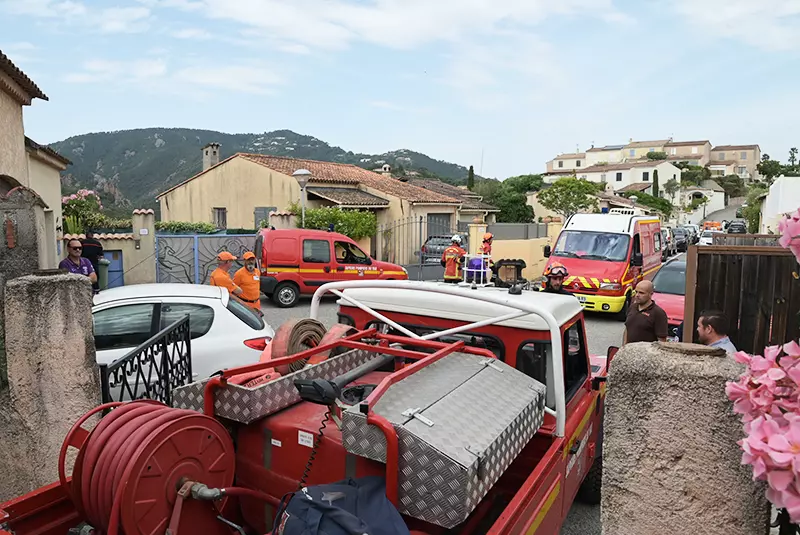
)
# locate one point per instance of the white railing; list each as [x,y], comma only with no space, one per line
[517,307]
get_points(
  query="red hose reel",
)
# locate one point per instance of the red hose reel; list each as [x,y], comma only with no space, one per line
[132,465]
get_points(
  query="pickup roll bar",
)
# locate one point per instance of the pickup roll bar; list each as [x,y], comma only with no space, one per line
[518,308]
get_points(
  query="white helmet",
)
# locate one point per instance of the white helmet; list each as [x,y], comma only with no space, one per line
[456,239]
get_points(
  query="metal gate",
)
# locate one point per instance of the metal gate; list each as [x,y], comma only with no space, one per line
[417,244]
[116,270]
[191,258]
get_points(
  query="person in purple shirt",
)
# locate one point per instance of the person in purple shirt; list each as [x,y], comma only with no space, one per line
[74,263]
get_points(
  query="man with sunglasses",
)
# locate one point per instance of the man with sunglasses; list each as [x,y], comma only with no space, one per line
[75,263]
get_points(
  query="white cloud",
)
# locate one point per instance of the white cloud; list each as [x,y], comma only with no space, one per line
[21,46]
[122,20]
[191,33]
[768,24]
[131,19]
[154,75]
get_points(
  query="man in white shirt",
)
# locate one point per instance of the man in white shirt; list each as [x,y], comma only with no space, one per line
[712,329]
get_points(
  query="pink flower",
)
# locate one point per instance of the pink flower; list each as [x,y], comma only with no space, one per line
[784,446]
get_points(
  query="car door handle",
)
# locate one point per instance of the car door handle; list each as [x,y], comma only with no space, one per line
[340,268]
[327,269]
[575,447]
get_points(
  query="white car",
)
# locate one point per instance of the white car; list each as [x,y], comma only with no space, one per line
[707,237]
[225,333]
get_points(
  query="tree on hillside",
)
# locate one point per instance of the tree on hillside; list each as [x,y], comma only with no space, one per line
[671,187]
[793,156]
[656,155]
[769,169]
[471,178]
[733,185]
[524,183]
[645,199]
[655,183]
[568,196]
[693,175]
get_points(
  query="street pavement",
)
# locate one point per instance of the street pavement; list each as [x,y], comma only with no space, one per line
[602,331]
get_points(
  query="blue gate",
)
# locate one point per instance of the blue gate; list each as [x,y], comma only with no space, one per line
[116,272]
[191,258]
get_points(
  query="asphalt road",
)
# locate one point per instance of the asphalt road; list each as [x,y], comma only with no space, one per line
[601,331]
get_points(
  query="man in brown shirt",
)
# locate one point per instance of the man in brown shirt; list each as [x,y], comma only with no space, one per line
[646,322]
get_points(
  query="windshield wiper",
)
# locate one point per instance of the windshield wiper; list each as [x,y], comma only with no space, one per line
[595,257]
[565,253]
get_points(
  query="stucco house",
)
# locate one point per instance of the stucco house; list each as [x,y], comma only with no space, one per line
[567,162]
[739,160]
[691,152]
[472,204]
[780,200]
[243,189]
[23,162]
[620,175]
[708,189]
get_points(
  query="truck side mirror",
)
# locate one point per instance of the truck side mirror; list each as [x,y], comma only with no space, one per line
[547,251]
[637,260]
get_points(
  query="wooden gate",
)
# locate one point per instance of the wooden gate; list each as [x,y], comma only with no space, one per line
[757,287]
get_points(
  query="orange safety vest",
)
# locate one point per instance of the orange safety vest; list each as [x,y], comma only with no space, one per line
[452,267]
[250,283]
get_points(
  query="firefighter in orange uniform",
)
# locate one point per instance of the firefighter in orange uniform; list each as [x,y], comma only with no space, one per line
[452,258]
[248,279]
[486,249]
[221,276]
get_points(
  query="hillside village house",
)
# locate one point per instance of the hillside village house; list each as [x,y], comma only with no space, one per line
[708,189]
[26,163]
[621,175]
[242,190]
[722,160]
[739,160]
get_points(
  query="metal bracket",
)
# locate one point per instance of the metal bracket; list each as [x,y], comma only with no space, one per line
[490,363]
[415,413]
[479,455]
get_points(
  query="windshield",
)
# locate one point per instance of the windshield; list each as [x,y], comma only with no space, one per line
[592,245]
[671,280]
[679,232]
[707,234]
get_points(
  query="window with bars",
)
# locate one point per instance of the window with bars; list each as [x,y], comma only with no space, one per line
[220,217]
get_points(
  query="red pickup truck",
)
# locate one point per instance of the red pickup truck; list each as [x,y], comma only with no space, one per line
[485,397]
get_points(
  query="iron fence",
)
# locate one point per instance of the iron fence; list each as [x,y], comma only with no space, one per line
[192,258]
[152,370]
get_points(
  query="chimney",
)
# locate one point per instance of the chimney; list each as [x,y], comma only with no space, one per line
[386,169]
[210,155]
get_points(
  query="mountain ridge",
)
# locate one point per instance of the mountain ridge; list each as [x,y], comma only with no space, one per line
[130,167]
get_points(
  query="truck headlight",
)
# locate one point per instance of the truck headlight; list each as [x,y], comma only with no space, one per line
[404,270]
[610,286]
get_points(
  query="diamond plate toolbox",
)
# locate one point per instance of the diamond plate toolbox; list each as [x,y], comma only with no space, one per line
[460,422]
[245,405]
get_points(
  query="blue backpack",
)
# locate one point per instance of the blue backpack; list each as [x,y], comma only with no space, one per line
[349,507]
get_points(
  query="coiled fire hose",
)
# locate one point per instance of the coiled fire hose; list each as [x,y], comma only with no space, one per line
[130,467]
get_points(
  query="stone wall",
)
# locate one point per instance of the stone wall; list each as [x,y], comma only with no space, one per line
[52,375]
[21,226]
[671,463]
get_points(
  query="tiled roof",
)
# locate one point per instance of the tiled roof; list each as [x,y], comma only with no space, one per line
[624,166]
[606,148]
[469,200]
[144,211]
[571,155]
[648,144]
[640,186]
[615,199]
[684,157]
[347,197]
[735,147]
[122,236]
[8,67]
[336,173]
[31,144]
[686,143]
[712,185]
[722,162]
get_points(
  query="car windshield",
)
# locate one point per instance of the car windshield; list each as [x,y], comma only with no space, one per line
[592,245]
[708,234]
[671,279]
[679,232]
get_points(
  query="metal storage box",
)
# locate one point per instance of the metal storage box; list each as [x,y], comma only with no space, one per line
[460,422]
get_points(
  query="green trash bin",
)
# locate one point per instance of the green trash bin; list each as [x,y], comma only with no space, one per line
[102,273]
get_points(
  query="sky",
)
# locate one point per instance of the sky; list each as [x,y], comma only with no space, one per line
[503,85]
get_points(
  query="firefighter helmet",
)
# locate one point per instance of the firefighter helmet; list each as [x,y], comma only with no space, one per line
[556,269]
[488,236]
[456,239]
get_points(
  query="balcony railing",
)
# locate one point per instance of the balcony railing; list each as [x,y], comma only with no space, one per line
[152,370]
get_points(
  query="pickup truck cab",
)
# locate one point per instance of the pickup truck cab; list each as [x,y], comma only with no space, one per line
[298,261]
[563,459]
[606,256]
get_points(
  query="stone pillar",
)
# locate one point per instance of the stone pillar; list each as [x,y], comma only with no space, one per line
[143,268]
[671,463]
[52,375]
[476,232]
